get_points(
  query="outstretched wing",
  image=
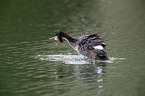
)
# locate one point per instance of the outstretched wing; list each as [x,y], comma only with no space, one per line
[95,39]
[93,45]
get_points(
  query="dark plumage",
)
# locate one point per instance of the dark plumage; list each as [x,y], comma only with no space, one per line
[92,46]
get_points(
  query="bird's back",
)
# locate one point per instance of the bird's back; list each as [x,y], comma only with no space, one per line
[92,46]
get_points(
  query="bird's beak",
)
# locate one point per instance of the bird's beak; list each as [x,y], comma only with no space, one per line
[53,38]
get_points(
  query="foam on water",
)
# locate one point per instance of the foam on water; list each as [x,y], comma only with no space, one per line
[67,59]
[74,59]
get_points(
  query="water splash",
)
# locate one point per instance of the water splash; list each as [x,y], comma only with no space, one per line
[74,59]
[67,59]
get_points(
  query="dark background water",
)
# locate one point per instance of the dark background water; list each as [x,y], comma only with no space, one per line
[33,65]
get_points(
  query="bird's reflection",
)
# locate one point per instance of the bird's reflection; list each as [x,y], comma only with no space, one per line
[91,74]
[76,73]
[86,77]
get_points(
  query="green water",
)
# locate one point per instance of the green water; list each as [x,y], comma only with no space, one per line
[33,65]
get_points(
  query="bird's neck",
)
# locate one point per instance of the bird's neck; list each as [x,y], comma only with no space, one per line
[72,41]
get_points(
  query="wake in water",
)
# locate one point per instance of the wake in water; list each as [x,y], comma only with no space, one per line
[74,59]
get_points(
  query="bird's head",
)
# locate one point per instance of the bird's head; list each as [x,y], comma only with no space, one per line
[58,37]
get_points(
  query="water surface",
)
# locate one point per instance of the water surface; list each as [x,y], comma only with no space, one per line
[33,65]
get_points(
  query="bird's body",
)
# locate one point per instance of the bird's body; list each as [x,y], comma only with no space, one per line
[92,46]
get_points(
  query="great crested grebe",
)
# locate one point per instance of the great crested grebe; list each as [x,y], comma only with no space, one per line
[92,46]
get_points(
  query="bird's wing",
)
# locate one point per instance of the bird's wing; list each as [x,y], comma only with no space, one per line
[93,40]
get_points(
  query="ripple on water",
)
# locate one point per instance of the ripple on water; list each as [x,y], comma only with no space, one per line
[45,77]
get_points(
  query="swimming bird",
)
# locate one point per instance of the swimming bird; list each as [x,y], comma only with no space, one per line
[92,46]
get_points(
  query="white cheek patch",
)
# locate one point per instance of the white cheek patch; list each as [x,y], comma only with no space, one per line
[99,47]
[56,38]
